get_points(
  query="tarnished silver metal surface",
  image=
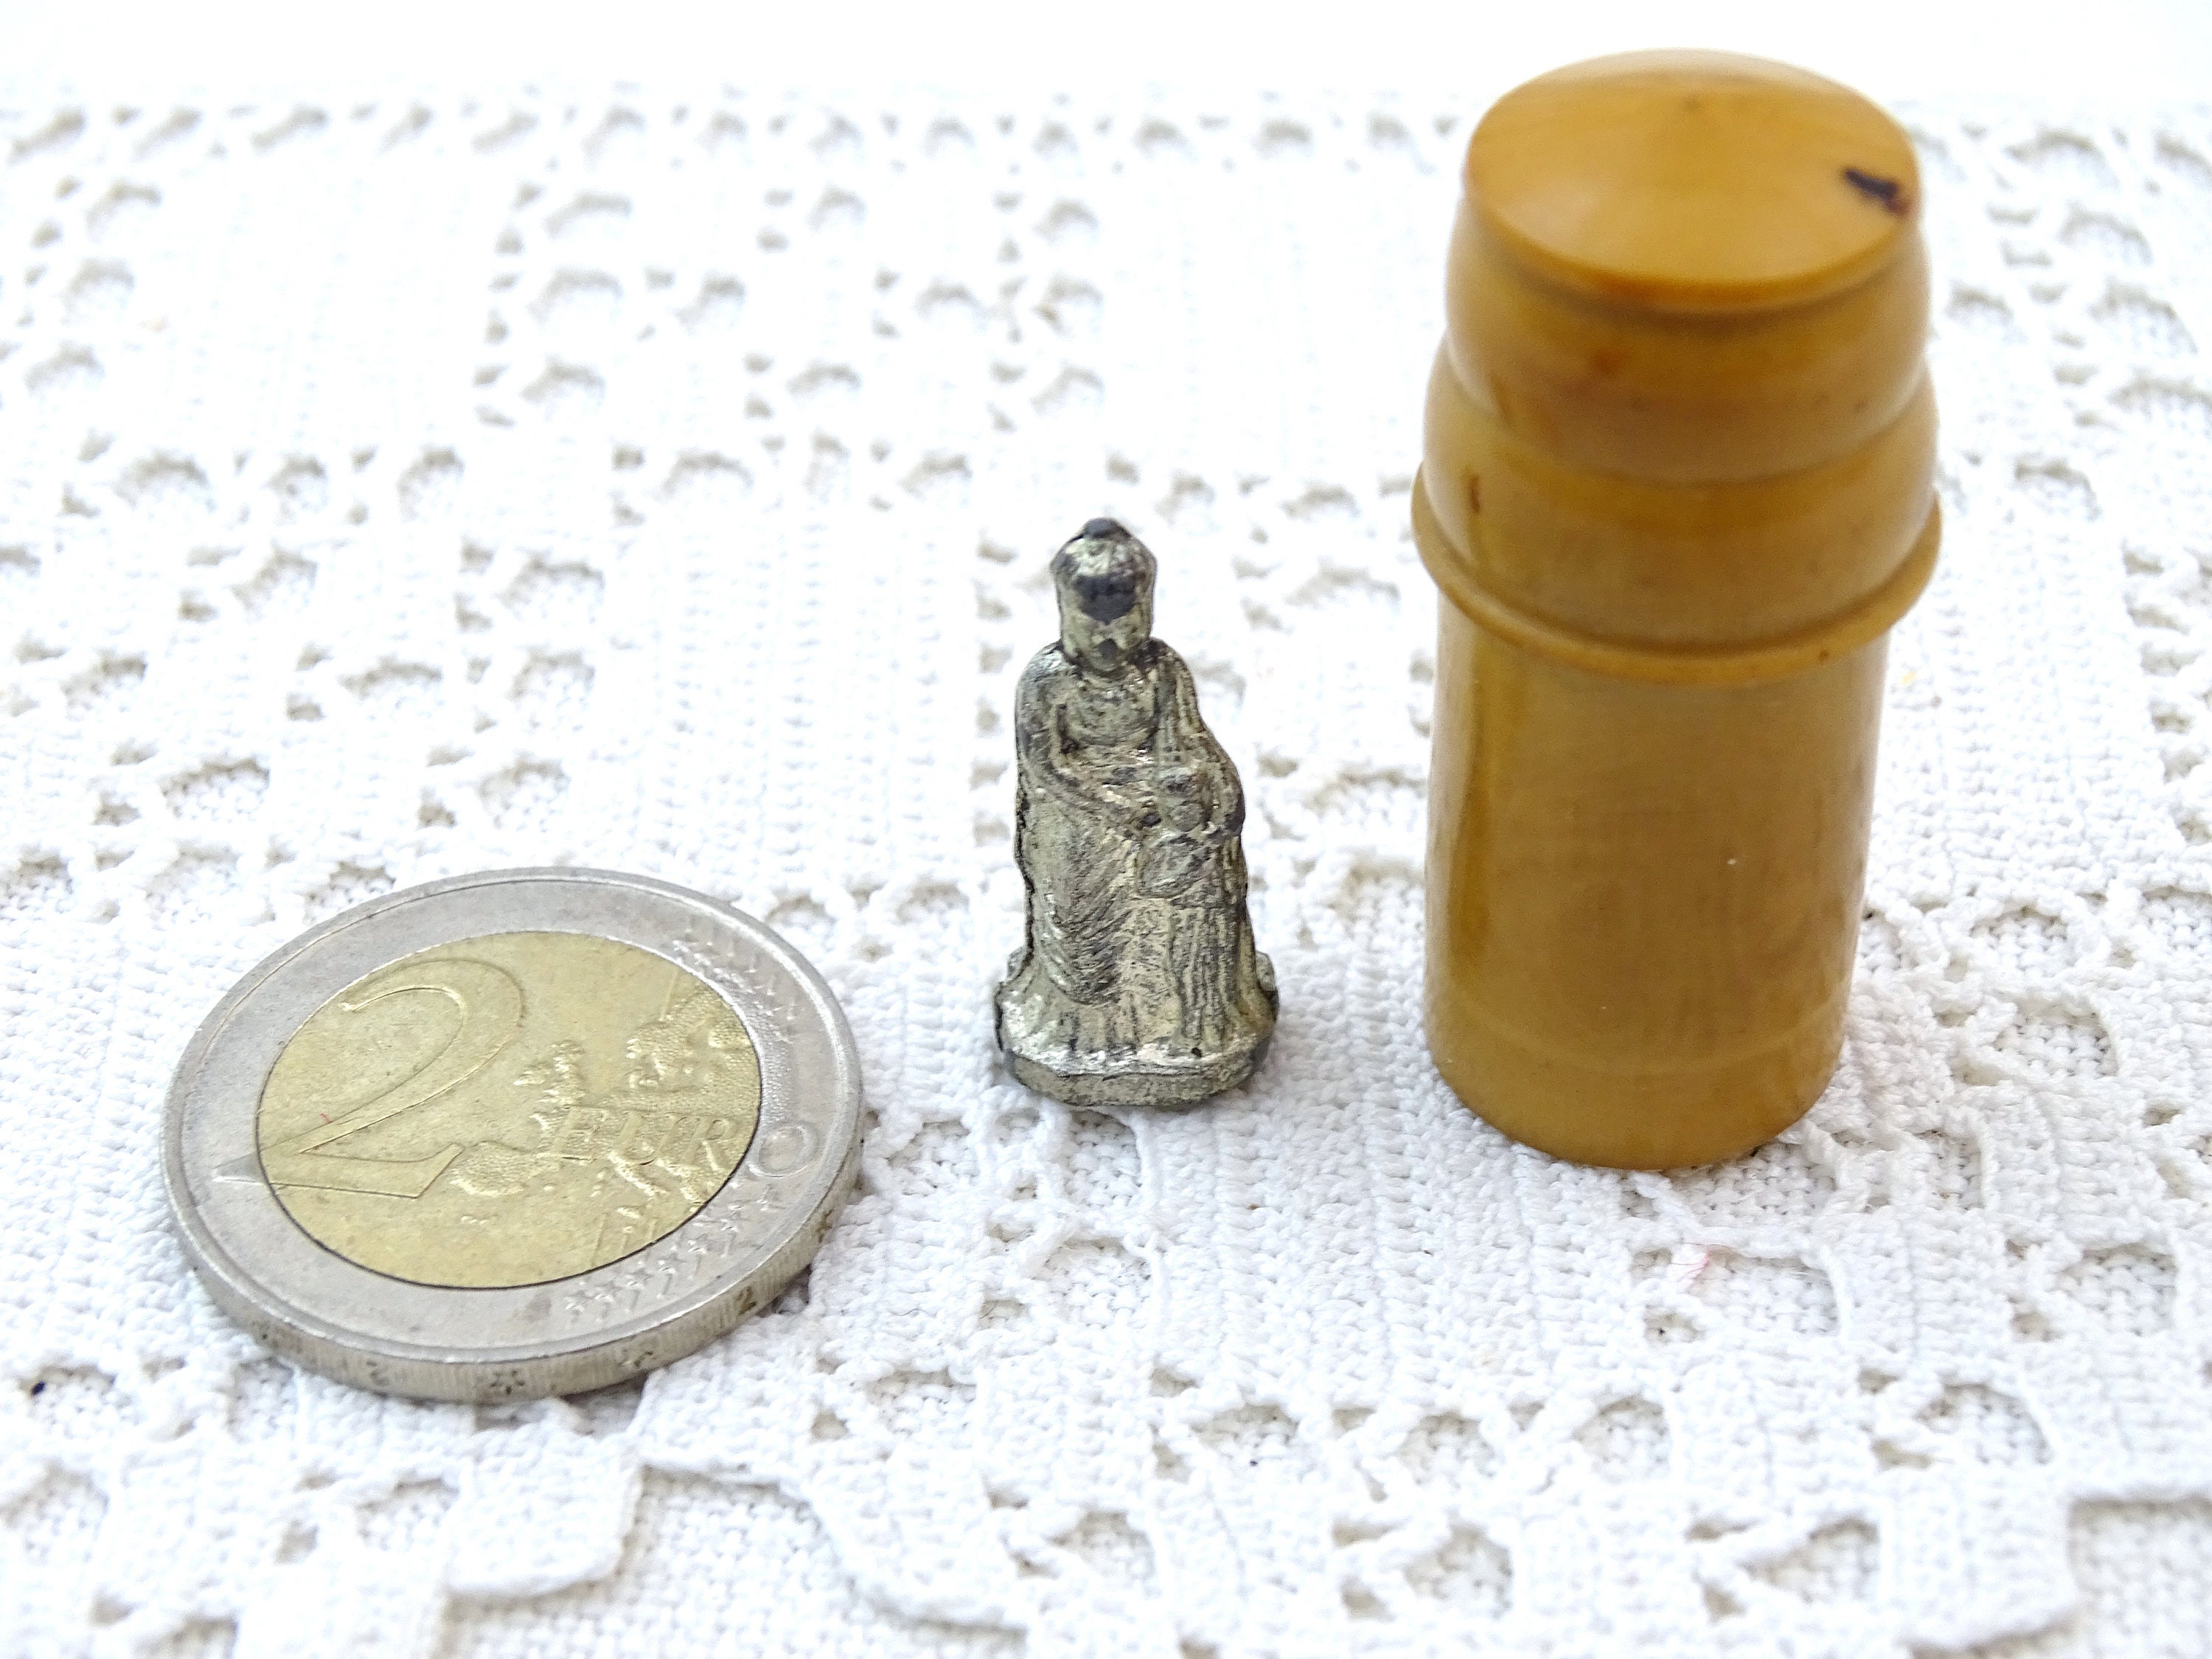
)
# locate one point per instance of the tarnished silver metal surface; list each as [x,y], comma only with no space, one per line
[1138,982]
[523,1133]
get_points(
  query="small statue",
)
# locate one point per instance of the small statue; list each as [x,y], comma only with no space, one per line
[1137,983]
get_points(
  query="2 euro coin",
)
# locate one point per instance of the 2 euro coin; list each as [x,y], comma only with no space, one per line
[517,1134]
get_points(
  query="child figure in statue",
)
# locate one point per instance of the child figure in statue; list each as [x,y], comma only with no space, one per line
[1137,983]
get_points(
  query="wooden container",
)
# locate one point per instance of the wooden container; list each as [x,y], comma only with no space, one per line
[1677,486]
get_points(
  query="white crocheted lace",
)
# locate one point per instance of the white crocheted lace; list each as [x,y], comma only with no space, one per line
[391,489]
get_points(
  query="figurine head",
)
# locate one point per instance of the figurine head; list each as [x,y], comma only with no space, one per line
[1104,581]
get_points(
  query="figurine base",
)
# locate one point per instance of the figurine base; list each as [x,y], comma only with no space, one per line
[1137,1083]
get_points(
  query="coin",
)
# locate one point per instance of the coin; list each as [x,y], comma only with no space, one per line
[535,1175]
[522,1133]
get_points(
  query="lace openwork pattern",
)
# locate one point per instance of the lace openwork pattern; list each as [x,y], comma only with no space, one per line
[390,489]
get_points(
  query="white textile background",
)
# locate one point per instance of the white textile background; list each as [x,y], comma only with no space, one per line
[1464,51]
[391,487]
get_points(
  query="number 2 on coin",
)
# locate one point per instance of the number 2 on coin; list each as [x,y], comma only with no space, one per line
[490,1005]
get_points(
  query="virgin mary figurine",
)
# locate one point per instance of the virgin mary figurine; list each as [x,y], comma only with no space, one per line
[1137,983]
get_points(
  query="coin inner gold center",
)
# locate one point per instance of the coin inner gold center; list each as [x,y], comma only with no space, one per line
[509,1109]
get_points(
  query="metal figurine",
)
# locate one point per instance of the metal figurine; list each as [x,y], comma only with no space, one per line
[1138,982]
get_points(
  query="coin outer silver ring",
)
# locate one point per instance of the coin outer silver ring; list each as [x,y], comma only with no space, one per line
[311,1305]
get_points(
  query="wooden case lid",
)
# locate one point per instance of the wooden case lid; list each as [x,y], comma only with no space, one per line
[1693,180]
